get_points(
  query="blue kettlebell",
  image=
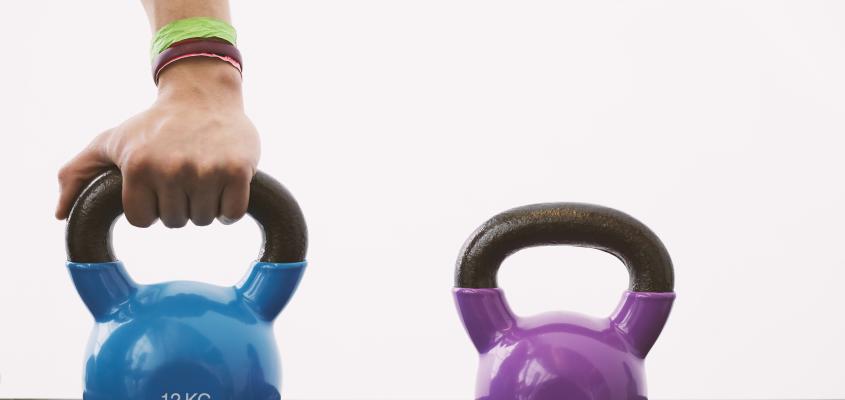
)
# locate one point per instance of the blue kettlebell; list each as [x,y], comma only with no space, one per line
[183,340]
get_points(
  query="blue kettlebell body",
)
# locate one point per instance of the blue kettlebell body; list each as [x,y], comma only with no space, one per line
[183,340]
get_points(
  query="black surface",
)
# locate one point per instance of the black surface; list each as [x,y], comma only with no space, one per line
[88,235]
[575,224]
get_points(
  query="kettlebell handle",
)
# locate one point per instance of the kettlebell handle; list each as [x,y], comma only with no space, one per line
[575,224]
[89,225]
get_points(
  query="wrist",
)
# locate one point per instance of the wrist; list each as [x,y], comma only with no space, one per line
[201,78]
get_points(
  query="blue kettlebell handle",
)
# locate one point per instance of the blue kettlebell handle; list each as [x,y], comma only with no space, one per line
[89,226]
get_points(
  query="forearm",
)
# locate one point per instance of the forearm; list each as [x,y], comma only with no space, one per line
[162,12]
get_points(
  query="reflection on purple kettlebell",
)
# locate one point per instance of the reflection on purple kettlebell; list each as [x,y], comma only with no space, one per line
[559,355]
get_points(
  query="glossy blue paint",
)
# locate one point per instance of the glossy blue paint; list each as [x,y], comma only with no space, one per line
[183,340]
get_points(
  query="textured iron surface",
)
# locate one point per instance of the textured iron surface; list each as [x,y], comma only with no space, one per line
[280,218]
[576,224]
[89,226]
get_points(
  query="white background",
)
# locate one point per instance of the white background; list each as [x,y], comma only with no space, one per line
[402,125]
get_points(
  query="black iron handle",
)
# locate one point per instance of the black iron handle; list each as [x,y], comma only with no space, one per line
[575,224]
[89,226]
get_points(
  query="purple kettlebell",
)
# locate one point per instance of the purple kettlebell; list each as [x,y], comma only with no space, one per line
[563,355]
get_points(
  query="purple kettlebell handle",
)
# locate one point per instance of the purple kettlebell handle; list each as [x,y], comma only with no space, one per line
[575,224]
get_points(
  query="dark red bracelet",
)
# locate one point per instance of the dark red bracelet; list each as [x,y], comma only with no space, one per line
[195,48]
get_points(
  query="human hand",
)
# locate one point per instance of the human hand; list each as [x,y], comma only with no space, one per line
[191,155]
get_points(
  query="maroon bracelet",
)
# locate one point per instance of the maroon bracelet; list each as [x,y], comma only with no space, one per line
[190,48]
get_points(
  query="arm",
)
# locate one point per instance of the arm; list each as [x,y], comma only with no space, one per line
[192,154]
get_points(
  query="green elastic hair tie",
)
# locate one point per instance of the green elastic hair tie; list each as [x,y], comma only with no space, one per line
[190,28]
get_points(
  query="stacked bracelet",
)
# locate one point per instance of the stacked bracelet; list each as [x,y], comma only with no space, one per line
[197,48]
[194,37]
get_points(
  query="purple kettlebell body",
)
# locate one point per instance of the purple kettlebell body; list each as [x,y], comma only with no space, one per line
[561,355]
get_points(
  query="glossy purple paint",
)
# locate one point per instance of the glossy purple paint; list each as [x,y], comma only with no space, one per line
[560,355]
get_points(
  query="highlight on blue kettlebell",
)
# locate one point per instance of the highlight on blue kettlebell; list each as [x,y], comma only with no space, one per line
[183,340]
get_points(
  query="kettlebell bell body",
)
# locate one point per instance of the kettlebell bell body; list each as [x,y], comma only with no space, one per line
[563,355]
[183,340]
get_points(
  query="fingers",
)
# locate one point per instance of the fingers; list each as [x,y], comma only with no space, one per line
[140,204]
[172,205]
[205,199]
[78,172]
[221,191]
[147,198]
[154,187]
[182,192]
[235,198]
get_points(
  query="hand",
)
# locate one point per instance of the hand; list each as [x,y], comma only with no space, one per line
[192,155]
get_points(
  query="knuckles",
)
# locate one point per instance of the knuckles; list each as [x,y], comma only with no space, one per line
[221,170]
[238,171]
[180,168]
[138,166]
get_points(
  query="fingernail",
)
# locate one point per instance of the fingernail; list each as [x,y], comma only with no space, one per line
[226,220]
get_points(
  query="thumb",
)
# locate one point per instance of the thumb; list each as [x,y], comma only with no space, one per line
[79,171]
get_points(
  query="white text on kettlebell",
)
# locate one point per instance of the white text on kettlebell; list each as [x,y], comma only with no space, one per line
[187,396]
